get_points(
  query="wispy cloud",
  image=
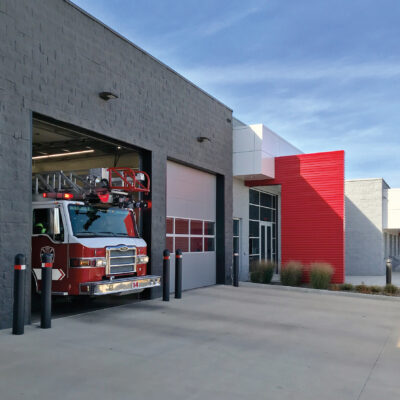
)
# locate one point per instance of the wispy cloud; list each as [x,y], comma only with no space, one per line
[224,22]
[254,72]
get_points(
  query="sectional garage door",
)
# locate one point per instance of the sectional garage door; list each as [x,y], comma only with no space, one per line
[191,215]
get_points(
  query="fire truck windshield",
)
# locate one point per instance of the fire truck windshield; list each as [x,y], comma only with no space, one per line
[89,221]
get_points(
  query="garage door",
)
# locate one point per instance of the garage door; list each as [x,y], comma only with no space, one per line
[191,214]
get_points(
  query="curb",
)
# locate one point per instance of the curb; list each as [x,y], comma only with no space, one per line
[319,291]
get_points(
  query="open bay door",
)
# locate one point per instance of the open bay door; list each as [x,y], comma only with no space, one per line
[191,215]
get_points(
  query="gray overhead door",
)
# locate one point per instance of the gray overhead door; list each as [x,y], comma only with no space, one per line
[191,214]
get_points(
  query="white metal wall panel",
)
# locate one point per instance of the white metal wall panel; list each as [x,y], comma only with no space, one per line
[191,194]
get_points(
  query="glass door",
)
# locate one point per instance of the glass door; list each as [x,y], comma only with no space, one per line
[266,240]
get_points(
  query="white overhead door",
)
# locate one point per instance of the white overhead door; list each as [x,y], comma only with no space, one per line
[191,215]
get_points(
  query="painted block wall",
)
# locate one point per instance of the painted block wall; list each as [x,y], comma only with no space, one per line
[393,209]
[365,245]
[312,209]
[254,149]
[241,211]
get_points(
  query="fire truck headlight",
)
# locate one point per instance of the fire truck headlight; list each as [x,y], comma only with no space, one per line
[101,262]
[142,259]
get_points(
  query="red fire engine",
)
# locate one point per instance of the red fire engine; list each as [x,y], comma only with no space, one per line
[88,225]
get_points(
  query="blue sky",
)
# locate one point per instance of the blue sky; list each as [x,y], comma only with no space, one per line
[325,75]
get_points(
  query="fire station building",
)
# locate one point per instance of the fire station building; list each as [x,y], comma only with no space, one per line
[76,96]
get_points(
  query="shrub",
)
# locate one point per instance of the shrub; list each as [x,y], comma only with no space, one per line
[376,289]
[291,273]
[334,287]
[346,287]
[391,290]
[320,275]
[363,289]
[262,271]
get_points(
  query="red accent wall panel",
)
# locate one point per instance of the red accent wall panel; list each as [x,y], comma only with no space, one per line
[312,209]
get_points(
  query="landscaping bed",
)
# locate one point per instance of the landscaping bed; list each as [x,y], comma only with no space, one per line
[319,274]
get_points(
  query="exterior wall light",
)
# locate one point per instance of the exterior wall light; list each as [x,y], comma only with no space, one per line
[202,139]
[107,96]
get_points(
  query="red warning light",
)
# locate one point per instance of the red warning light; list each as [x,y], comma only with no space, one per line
[104,197]
[45,195]
[68,196]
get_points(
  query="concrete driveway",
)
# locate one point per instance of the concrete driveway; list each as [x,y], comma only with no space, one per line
[255,342]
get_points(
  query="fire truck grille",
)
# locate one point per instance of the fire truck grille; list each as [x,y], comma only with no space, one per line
[121,260]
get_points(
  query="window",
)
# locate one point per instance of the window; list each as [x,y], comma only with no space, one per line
[90,221]
[181,226]
[170,225]
[190,235]
[209,244]
[196,244]
[48,221]
[262,207]
[236,234]
[254,212]
[196,227]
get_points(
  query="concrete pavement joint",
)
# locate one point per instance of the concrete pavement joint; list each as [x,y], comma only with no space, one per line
[373,367]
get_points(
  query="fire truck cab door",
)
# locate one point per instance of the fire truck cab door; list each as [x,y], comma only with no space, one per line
[49,235]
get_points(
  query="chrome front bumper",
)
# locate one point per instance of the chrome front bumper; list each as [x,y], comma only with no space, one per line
[134,284]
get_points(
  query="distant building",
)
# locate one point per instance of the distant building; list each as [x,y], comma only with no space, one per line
[372,226]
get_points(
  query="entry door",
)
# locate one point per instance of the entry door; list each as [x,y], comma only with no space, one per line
[266,240]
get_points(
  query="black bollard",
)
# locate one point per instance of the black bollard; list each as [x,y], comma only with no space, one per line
[388,271]
[45,309]
[166,275]
[19,295]
[235,275]
[178,274]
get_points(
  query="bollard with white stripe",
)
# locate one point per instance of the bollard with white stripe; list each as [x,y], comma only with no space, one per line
[166,262]
[178,274]
[19,295]
[45,303]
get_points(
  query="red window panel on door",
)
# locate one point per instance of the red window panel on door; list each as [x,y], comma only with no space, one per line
[209,228]
[181,226]
[209,244]
[196,227]
[170,243]
[169,225]
[182,243]
[196,244]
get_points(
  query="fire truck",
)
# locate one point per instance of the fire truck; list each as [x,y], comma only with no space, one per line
[89,226]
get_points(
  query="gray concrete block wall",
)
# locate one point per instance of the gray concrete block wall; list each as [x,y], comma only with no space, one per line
[54,60]
[241,211]
[364,227]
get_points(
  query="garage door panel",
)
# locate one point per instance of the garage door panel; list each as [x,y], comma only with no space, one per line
[190,192]
[196,271]
[191,202]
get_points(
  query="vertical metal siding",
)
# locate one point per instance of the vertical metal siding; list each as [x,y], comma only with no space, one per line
[312,215]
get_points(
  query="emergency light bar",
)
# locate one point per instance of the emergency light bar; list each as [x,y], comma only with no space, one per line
[61,196]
